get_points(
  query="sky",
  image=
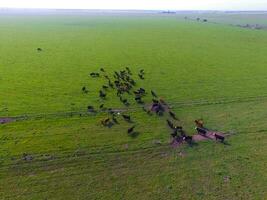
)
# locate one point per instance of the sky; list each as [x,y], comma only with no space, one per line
[139,4]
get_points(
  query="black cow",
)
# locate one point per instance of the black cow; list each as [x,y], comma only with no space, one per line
[219,137]
[126,118]
[102,94]
[170,124]
[104,87]
[153,94]
[93,74]
[141,76]
[130,130]
[201,131]
[173,115]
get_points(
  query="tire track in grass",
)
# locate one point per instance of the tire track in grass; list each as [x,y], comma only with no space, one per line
[83,171]
[181,104]
[72,153]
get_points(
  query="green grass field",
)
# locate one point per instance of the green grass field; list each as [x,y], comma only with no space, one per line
[210,71]
[231,18]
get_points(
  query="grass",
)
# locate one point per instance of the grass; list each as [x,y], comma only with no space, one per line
[216,72]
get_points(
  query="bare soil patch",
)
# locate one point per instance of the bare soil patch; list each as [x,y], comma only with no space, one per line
[209,136]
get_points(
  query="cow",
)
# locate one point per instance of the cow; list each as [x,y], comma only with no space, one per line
[130,130]
[173,115]
[104,87]
[201,131]
[126,118]
[154,94]
[219,137]
[170,124]
[199,123]
[102,94]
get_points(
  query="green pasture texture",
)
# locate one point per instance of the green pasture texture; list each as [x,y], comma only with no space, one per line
[208,71]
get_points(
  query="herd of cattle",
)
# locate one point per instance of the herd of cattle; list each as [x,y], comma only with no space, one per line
[123,84]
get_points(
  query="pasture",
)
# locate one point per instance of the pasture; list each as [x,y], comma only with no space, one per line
[203,70]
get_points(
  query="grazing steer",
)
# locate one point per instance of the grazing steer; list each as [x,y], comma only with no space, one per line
[188,139]
[173,115]
[39,49]
[201,131]
[141,76]
[84,89]
[132,82]
[128,70]
[106,77]
[155,101]
[104,87]
[102,94]
[130,130]
[102,70]
[142,90]
[110,84]
[154,94]
[126,118]
[105,121]
[115,119]
[170,124]
[93,74]
[199,123]
[91,109]
[110,111]
[219,137]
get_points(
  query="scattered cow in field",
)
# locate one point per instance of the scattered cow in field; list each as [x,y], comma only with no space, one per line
[128,70]
[201,131]
[142,90]
[106,77]
[125,102]
[173,115]
[110,84]
[107,122]
[199,123]
[102,94]
[126,118]
[39,49]
[219,137]
[141,76]
[154,94]
[110,111]
[102,70]
[84,89]
[188,139]
[138,99]
[170,124]
[104,87]
[93,74]
[91,109]
[155,101]
[115,120]
[130,130]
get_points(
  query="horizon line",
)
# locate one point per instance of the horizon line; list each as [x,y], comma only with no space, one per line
[130,9]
